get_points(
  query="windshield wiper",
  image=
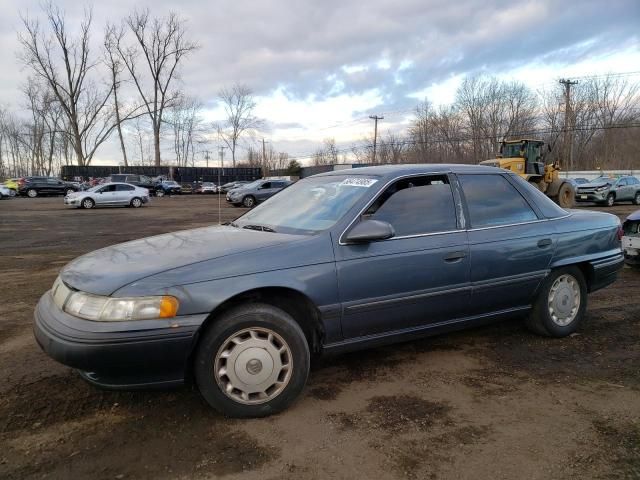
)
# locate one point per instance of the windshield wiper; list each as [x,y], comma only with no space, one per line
[262,228]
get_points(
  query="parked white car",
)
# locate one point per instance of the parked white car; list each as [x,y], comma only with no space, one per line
[109,194]
[6,192]
[207,187]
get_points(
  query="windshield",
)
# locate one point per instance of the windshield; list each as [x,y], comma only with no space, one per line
[308,206]
[96,188]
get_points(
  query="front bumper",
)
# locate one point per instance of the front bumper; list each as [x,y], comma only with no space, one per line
[597,197]
[119,355]
[71,201]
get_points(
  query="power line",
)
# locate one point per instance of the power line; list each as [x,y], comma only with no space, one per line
[523,133]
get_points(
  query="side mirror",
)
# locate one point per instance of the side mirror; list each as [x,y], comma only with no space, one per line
[370,231]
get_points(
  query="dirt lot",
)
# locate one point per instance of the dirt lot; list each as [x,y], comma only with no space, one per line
[493,402]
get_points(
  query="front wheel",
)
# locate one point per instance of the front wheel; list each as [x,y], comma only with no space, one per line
[159,193]
[252,362]
[561,303]
[88,203]
[611,199]
[636,199]
[249,201]
[32,193]
[566,196]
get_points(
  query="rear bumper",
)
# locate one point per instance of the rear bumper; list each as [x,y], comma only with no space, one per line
[605,271]
[117,355]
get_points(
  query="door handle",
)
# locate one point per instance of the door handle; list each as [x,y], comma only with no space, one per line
[545,242]
[454,257]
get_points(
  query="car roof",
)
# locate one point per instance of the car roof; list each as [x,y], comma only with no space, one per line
[415,169]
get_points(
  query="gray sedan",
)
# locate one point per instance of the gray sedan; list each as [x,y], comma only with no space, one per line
[109,195]
[339,261]
[255,192]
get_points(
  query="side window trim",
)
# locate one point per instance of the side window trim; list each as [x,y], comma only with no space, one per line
[456,198]
[534,209]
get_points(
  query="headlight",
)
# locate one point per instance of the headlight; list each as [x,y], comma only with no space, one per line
[602,189]
[113,309]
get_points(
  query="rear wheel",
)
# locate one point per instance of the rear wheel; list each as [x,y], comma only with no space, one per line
[611,199]
[88,203]
[159,193]
[636,199]
[561,303]
[252,362]
[136,202]
[32,193]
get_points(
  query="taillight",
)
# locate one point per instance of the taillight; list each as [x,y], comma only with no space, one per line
[620,233]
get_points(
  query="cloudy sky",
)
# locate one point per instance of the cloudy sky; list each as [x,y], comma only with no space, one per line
[319,68]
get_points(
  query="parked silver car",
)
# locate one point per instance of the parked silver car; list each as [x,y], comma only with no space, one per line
[610,191]
[255,192]
[109,194]
[6,192]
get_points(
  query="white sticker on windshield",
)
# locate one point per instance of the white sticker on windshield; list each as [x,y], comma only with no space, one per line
[358,182]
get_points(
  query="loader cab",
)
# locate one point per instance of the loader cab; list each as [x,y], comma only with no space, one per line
[531,151]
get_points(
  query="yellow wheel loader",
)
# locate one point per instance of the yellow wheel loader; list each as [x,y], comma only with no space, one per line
[526,158]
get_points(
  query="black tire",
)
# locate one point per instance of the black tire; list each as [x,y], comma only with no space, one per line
[611,200]
[540,319]
[566,195]
[636,199]
[249,201]
[136,202]
[159,193]
[32,193]
[217,335]
[87,203]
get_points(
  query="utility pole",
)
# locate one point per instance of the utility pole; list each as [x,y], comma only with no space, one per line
[264,156]
[375,118]
[206,157]
[221,154]
[568,127]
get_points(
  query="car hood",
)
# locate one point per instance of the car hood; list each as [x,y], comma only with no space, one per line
[600,183]
[634,216]
[104,271]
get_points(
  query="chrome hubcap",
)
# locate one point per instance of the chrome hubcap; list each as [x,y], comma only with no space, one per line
[564,300]
[253,366]
[87,204]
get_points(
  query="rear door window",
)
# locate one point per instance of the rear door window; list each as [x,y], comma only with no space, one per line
[416,205]
[493,201]
[124,188]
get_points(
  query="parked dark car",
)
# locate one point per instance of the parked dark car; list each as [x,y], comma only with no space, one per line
[338,261]
[35,186]
[610,191]
[134,179]
[251,194]
[186,188]
[168,187]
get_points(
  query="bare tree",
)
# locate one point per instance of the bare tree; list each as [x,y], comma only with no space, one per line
[163,45]
[184,117]
[65,64]
[239,106]
[114,63]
